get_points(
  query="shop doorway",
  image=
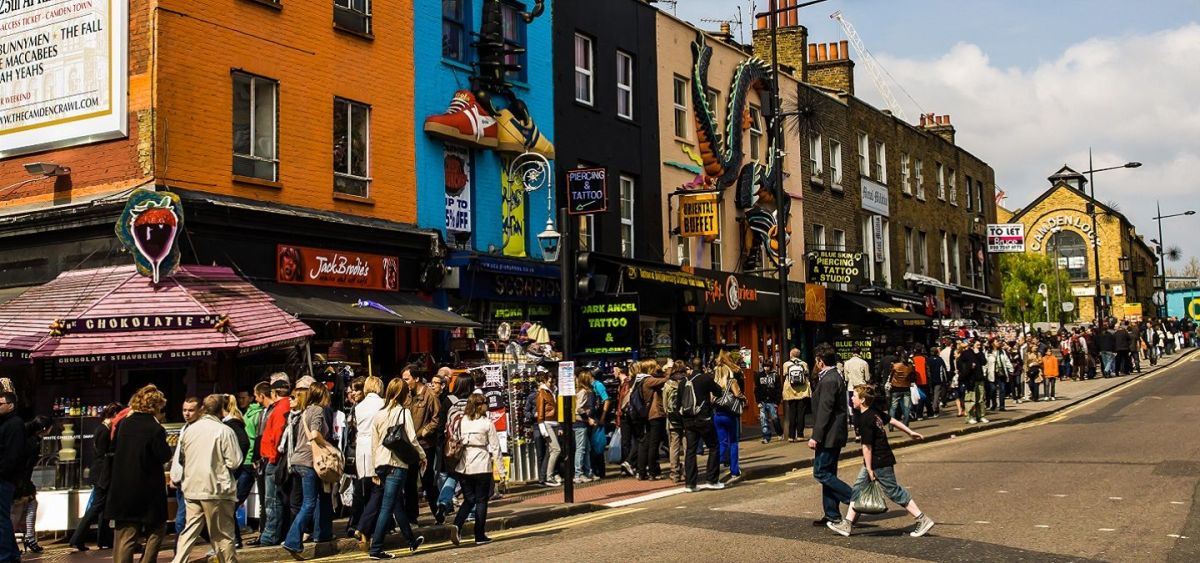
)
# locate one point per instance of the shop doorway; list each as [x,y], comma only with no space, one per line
[171,381]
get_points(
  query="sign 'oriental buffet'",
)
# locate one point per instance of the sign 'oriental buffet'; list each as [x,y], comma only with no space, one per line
[63,77]
[336,268]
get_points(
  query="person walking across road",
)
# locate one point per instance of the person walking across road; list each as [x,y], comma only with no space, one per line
[829,434]
[797,396]
[971,380]
[209,453]
[879,464]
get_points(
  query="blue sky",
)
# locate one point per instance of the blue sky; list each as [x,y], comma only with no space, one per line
[1030,85]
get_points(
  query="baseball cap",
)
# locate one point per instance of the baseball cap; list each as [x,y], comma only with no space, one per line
[305,382]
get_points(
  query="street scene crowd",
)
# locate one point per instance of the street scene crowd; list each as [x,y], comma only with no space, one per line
[409,451]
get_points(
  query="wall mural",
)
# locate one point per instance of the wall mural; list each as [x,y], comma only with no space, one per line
[723,159]
[474,117]
[512,209]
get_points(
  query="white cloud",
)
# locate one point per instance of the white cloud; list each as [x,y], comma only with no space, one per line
[1133,97]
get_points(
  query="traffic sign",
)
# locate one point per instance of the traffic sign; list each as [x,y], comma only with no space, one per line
[1159,298]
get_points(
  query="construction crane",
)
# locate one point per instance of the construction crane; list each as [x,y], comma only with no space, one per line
[872,65]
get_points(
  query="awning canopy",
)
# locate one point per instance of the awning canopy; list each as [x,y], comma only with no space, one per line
[979,296]
[9,293]
[863,310]
[116,314]
[316,303]
[896,295]
[919,279]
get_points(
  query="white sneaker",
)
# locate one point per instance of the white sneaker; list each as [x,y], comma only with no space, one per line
[924,524]
[972,421]
[984,420]
[712,486]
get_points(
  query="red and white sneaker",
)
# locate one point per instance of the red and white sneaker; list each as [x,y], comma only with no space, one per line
[465,121]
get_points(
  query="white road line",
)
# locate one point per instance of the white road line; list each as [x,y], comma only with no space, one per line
[1177,536]
[982,522]
[1002,492]
[1061,495]
[958,488]
[1178,502]
[1115,498]
[1106,529]
[1041,526]
[646,498]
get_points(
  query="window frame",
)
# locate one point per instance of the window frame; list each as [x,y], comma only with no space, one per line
[839,242]
[680,85]
[970,193]
[922,253]
[881,162]
[818,234]
[588,72]
[367,179]
[274,161]
[625,63]
[627,196]
[905,174]
[716,260]
[910,259]
[952,186]
[816,160]
[755,133]
[919,176]
[864,154]
[510,12]
[835,162]
[941,180]
[586,232]
[945,256]
[463,24]
[346,10]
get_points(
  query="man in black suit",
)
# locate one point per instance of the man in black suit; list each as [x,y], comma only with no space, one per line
[829,433]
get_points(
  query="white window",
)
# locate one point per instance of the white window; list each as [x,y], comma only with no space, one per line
[756,133]
[880,261]
[864,158]
[625,85]
[956,257]
[255,123]
[970,194]
[815,161]
[835,163]
[583,69]
[881,162]
[941,181]
[818,242]
[922,253]
[714,249]
[627,186]
[839,243]
[679,93]
[953,187]
[919,172]
[909,251]
[587,232]
[351,147]
[683,251]
[945,257]
[905,176]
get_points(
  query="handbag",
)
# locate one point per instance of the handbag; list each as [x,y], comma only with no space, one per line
[328,463]
[613,453]
[396,440]
[870,499]
[730,402]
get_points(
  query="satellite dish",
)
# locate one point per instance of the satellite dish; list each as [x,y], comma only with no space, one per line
[504,331]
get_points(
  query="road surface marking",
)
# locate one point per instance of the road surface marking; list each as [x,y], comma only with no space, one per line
[1106,529]
[1060,495]
[982,522]
[1178,502]
[1041,526]
[1115,498]
[646,497]
[1177,536]
[958,488]
[1002,492]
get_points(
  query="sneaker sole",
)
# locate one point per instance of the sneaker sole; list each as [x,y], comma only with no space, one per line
[448,132]
[921,532]
[831,526]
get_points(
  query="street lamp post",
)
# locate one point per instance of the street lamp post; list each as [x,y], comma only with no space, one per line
[1091,171]
[1057,283]
[775,128]
[1162,258]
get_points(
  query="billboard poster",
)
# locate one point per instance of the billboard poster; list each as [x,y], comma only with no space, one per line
[457,165]
[336,268]
[63,77]
[1005,237]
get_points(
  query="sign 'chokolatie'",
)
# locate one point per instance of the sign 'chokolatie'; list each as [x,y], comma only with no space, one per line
[609,326]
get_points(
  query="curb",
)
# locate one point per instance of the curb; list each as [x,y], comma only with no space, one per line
[433,534]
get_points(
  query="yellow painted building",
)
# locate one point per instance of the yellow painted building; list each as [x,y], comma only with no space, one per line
[1058,223]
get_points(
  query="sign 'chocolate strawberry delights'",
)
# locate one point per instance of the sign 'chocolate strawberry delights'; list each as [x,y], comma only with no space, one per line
[148,228]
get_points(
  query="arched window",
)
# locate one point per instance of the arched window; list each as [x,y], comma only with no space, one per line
[1072,253]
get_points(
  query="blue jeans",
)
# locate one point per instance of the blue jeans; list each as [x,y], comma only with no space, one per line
[310,509]
[886,476]
[245,481]
[8,541]
[583,451]
[768,413]
[391,507]
[903,401]
[274,508]
[1049,385]
[1107,359]
[727,430]
[834,491]
[446,494]
[181,513]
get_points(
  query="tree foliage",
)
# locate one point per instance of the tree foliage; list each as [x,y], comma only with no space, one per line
[1189,270]
[1021,275]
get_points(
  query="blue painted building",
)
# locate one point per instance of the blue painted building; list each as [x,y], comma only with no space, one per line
[490,225]
[1184,303]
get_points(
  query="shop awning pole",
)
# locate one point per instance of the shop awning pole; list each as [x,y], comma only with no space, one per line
[308,356]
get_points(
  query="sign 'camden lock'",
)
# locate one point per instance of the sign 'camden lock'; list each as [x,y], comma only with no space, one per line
[698,216]
[609,326]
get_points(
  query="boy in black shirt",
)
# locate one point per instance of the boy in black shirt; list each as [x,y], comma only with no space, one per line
[766,394]
[879,462]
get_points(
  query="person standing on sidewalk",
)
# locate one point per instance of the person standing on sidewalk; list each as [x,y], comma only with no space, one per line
[12,464]
[209,453]
[921,375]
[424,405]
[797,393]
[1033,372]
[1107,342]
[547,420]
[480,455]
[694,403]
[101,473]
[364,456]
[935,375]
[191,413]
[971,380]
[585,416]
[997,367]
[879,464]
[678,373]
[137,496]
[1050,371]
[656,422]
[269,448]
[724,419]
[309,429]
[900,379]
[623,420]
[767,394]
[232,417]
[829,434]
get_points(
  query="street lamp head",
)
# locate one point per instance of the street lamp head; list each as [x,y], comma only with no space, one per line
[1133,165]
[549,240]
[1189,212]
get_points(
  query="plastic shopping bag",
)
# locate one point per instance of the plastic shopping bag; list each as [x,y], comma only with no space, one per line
[613,454]
[870,499]
[914,393]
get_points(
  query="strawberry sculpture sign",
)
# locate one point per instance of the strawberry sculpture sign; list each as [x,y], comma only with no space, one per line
[148,228]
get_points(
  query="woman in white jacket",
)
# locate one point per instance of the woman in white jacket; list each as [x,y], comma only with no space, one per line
[997,367]
[390,470]
[480,454]
[364,514]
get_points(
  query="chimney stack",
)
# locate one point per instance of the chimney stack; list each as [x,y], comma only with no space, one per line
[791,38]
[829,66]
[938,125]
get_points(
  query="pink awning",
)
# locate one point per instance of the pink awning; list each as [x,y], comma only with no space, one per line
[203,294]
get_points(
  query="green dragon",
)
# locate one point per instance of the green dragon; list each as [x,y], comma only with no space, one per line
[723,156]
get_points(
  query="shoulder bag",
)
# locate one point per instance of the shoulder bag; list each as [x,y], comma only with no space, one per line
[728,401]
[396,440]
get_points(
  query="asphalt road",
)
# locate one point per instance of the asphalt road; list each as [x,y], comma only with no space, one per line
[1116,478]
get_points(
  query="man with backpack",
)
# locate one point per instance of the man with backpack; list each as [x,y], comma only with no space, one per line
[829,434]
[796,396]
[645,407]
[676,374]
[692,403]
[767,394]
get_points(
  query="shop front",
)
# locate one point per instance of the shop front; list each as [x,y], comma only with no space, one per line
[869,325]
[510,298]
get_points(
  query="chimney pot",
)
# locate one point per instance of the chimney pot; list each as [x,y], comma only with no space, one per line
[833,52]
[922,120]
[762,22]
[725,30]
[947,119]
[812,51]
[845,48]
[823,48]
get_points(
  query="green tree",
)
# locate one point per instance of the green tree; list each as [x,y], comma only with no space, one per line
[1021,275]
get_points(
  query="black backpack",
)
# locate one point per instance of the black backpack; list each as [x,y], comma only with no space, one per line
[638,408]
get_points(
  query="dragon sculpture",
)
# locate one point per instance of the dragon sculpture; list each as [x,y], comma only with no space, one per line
[722,155]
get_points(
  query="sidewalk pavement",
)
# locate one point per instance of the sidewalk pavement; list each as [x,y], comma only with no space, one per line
[527,505]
